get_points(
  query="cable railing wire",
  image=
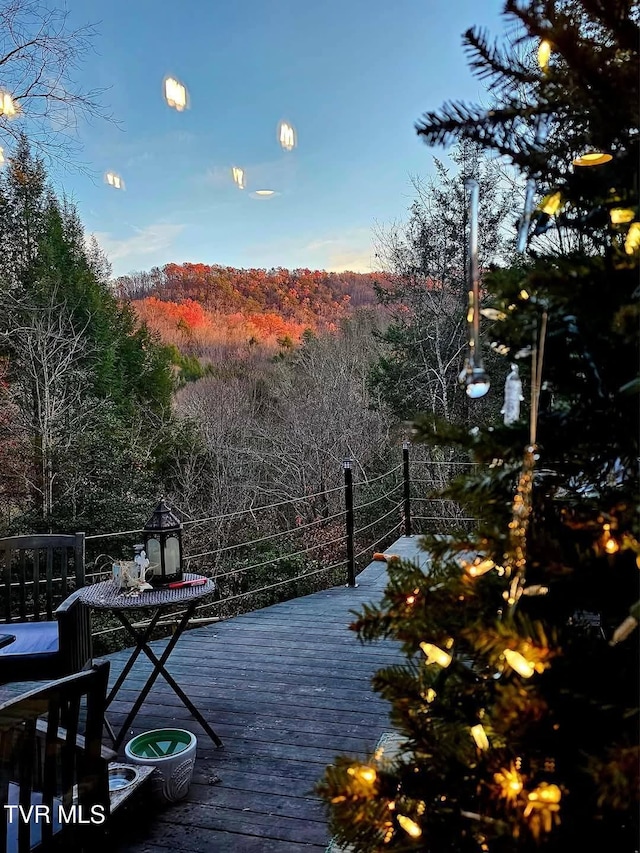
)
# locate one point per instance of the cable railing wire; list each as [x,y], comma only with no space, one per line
[386,515]
[440,518]
[376,541]
[250,510]
[254,509]
[279,583]
[428,482]
[427,462]
[381,498]
[278,559]
[241,569]
[108,535]
[263,538]
[209,605]
[380,476]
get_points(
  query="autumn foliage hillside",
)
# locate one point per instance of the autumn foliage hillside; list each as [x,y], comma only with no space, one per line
[202,307]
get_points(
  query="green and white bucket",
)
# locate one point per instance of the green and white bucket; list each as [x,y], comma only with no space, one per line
[173,753]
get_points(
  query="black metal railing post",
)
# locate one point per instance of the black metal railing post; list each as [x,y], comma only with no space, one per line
[407,488]
[349,525]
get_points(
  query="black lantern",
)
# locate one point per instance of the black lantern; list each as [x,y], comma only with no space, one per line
[163,544]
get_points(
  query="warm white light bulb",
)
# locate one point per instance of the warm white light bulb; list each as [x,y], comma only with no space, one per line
[592,158]
[519,663]
[621,215]
[436,655]
[544,54]
[632,241]
[480,736]
[410,826]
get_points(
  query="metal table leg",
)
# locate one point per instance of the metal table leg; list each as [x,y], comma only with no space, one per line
[159,669]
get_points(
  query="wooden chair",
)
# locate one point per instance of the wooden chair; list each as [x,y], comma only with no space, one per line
[50,767]
[45,632]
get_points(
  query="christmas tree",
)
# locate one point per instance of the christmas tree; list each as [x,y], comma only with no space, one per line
[517,704]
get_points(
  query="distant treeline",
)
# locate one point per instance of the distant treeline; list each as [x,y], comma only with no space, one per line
[302,295]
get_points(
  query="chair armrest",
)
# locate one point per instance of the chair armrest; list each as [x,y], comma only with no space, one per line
[74,632]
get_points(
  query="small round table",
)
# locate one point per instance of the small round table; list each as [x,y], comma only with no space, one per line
[106,596]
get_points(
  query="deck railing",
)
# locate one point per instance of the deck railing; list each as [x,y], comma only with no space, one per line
[369,513]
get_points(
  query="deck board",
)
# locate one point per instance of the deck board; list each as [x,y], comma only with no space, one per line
[287,688]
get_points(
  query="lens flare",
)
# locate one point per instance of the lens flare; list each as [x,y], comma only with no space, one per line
[114,180]
[286,136]
[175,94]
[238,177]
[8,106]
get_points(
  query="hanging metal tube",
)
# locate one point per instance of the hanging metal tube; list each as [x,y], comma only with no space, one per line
[525,221]
[474,285]
[474,375]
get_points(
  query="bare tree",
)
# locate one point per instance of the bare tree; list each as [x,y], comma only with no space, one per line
[39,56]
[47,353]
[427,299]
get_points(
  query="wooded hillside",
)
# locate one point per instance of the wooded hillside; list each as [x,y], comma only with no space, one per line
[198,305]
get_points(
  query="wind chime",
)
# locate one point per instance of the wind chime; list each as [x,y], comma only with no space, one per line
[474,377]
[477,383]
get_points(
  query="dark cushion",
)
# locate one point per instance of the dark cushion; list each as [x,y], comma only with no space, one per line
[31,638]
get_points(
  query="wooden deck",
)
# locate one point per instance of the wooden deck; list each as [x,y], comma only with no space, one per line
[287,688]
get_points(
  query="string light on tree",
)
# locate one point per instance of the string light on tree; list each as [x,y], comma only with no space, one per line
[544,54]
[480,736]
[543,807]
[519,663]
[480,566]
[621,215]
[609,544]
[435,654]
[551,203]
[364,774]
[632,241]
[509,782]
[592,158]
[410,826]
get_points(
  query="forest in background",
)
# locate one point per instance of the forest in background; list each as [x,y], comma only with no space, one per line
[215,312]
[226,390]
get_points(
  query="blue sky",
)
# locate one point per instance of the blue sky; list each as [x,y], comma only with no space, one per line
[352,77]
